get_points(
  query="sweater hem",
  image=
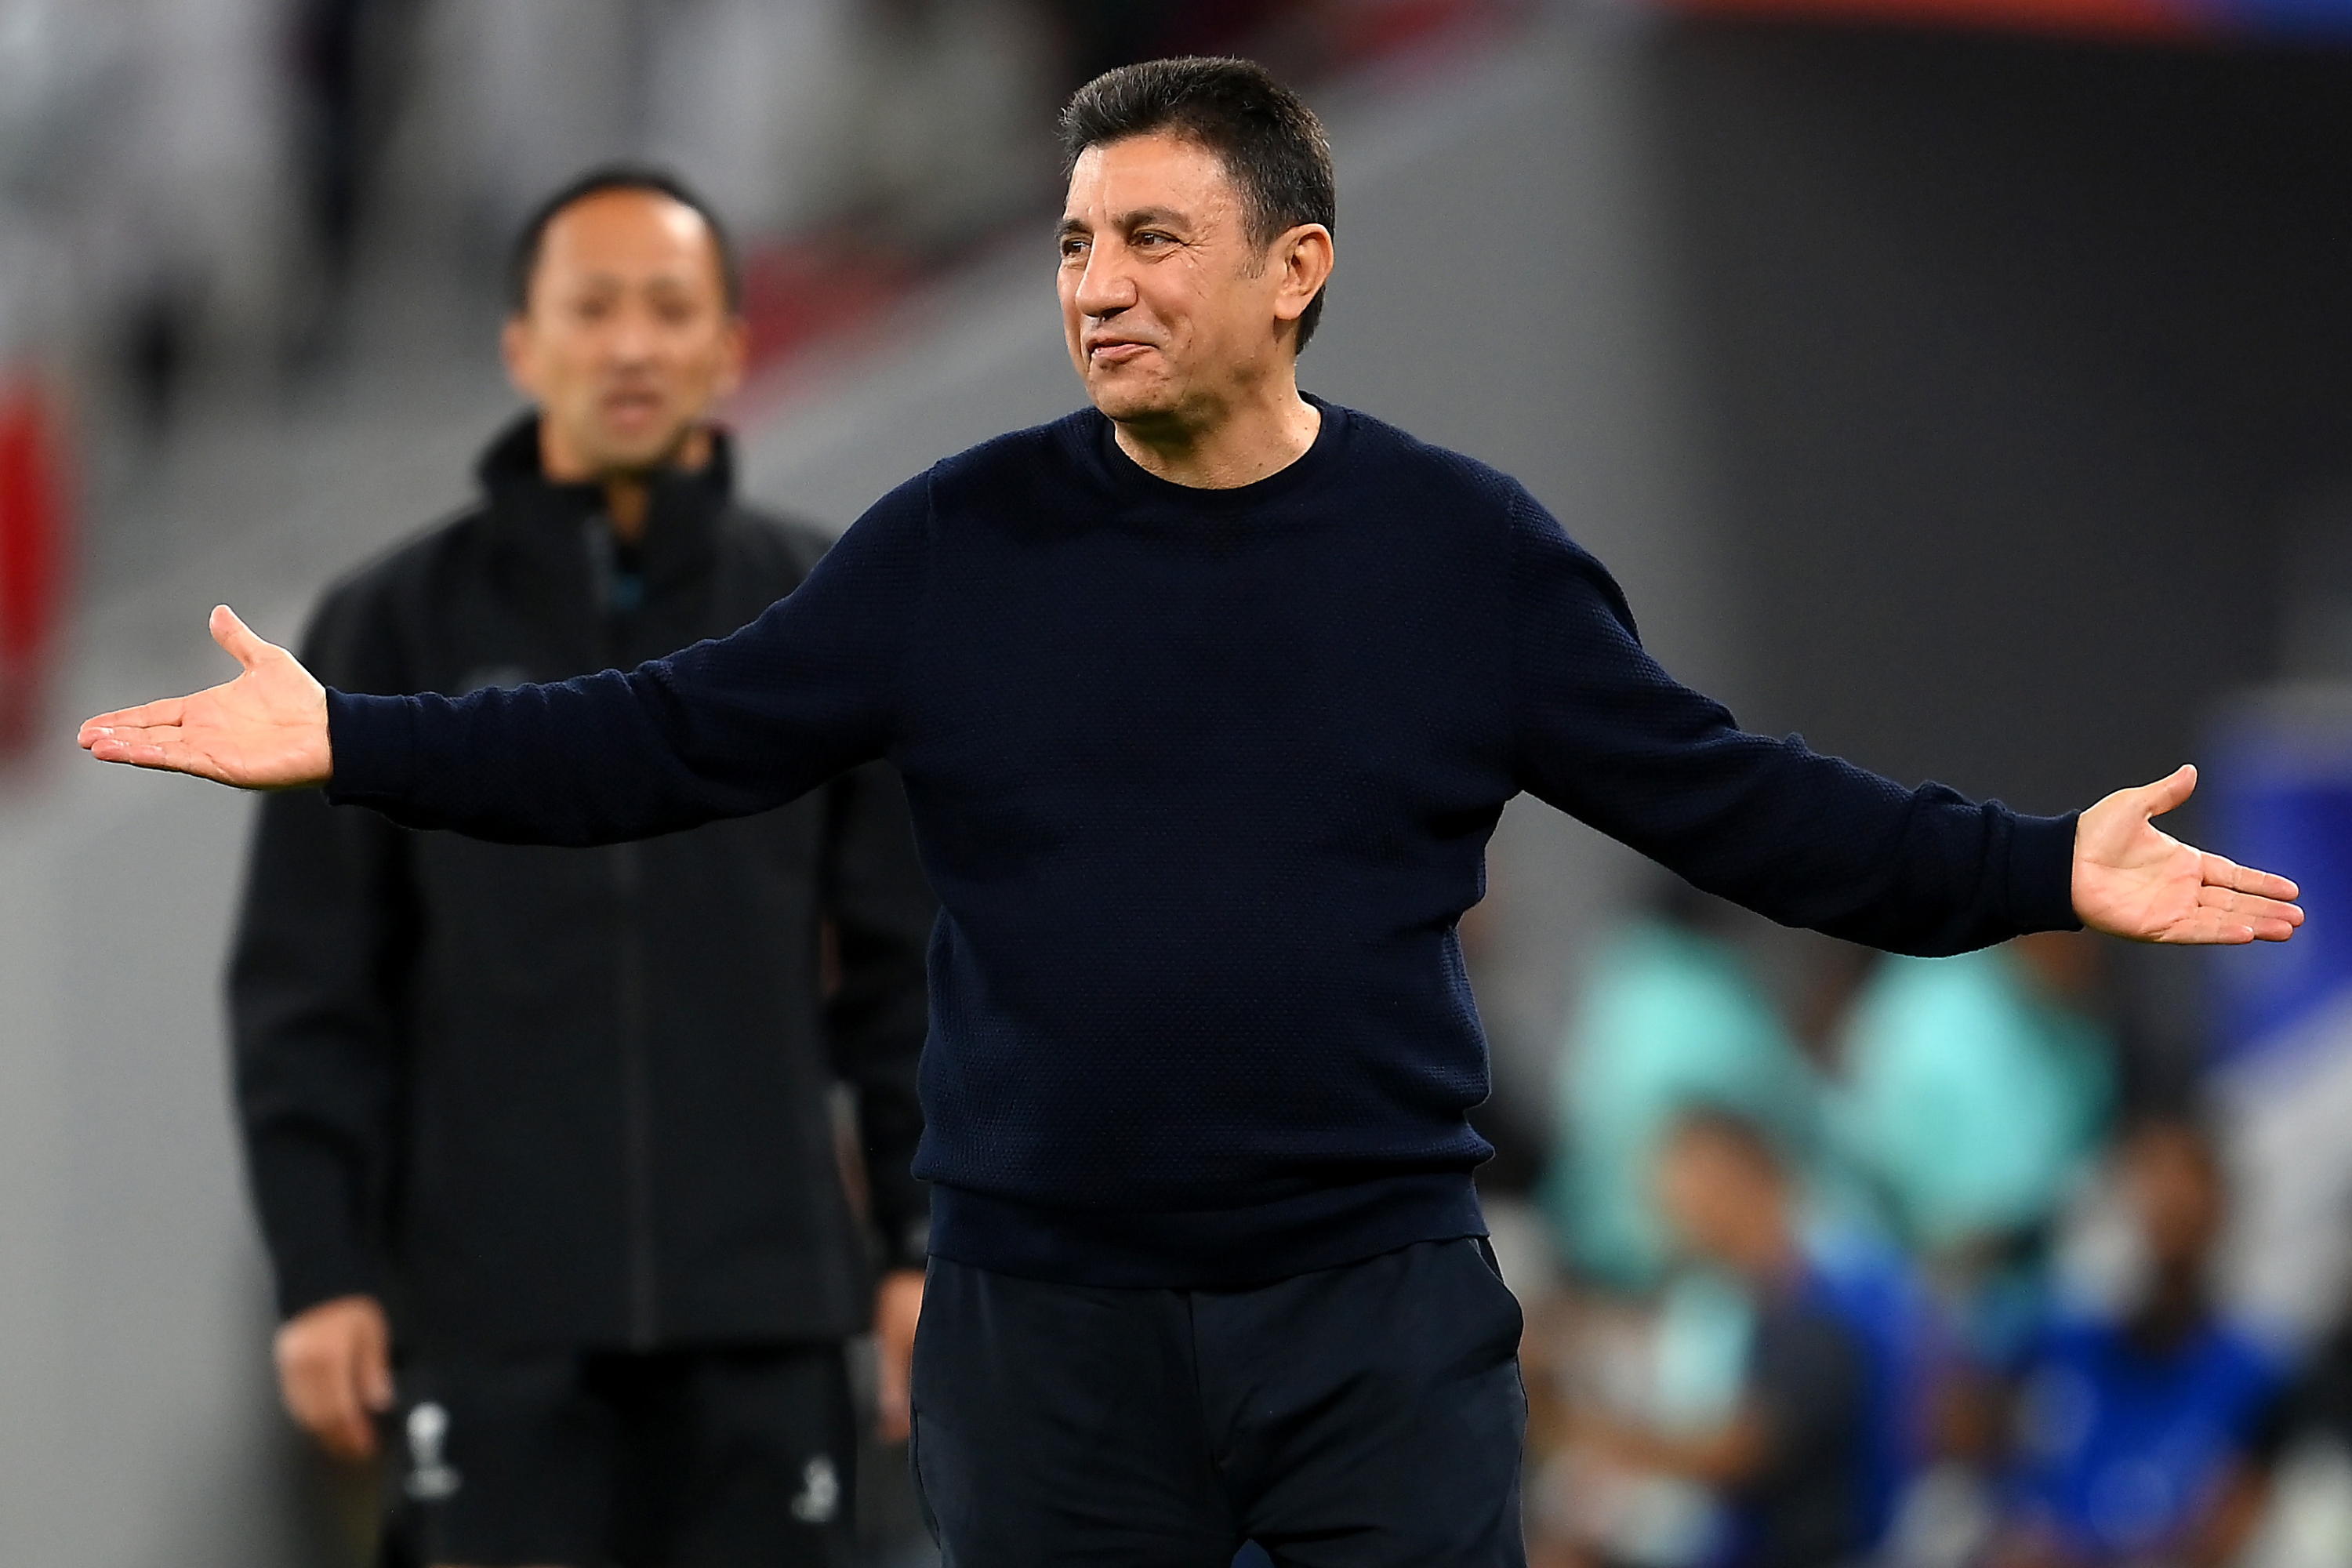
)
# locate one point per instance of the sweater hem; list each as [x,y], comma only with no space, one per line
[1204,1250]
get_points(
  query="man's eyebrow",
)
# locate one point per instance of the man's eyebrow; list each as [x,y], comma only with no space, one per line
[1141,216]
[1134,219]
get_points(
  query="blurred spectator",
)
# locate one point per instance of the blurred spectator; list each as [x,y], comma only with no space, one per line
[1973,1093]
[1671,1016]
[2135,1432]
[566,1122]
[1800,1460]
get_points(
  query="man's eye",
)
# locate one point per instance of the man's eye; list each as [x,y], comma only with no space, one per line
[1152,237]
[1073,248]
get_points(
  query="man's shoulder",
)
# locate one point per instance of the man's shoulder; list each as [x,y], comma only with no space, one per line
[1397,454]
[1021,460]
[410,565]
[355,631]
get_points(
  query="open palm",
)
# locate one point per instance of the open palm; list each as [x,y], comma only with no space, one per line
[265,729]
[2131,880]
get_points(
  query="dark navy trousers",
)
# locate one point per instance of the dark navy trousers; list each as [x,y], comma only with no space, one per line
[1364,1417]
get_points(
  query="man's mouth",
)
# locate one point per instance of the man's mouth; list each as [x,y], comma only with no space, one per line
[631,407]
[1115,351]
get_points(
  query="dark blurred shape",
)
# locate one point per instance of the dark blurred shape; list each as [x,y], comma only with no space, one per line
[159,325]
[349,58]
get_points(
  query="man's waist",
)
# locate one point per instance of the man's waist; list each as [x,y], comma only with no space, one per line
[1221,1248]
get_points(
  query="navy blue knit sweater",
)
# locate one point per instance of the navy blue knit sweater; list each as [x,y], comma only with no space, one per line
[1204,779]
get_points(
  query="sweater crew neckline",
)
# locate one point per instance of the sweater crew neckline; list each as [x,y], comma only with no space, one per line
[1132,481]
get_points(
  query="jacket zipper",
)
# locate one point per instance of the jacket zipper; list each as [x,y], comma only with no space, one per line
[629,1020]
[636,1101]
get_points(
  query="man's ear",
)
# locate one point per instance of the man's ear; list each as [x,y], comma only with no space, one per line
[735,354]
[1305,256]
[514,351]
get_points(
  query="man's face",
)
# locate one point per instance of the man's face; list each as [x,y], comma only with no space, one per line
[2172,1182]
[1720,1201]
[625,342]
[1170,312]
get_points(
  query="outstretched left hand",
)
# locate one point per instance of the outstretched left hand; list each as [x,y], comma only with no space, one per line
[2133,880]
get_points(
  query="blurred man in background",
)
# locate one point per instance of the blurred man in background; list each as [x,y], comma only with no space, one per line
[1674,1016]
[1799,1461]
[2136,1432]
[569,1122]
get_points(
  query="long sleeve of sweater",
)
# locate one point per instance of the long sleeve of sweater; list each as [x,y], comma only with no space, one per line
[1607,735]
[724,728]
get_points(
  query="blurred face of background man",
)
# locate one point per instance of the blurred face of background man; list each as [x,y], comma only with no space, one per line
[626,339]
[1726,1198]
[1173,315]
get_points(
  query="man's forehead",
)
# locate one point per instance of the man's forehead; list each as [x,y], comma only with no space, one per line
[614,227]
[1160,175]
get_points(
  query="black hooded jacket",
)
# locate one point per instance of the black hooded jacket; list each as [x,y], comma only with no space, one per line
[580,1098]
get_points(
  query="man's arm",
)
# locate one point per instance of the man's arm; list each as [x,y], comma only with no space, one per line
[722,729]
[1808,840]
[882,911]
[321,943]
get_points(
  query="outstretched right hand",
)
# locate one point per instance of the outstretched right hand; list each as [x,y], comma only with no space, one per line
[265,729]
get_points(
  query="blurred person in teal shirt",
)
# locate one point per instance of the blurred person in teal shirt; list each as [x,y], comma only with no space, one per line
[1673,1017]
[1973,1092]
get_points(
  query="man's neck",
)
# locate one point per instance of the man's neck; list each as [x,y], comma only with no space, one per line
[1242,444]
[628,492]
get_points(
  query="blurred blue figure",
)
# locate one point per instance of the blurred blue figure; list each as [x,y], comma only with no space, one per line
[1672,1017]
[1867,1284]
[2134,1432]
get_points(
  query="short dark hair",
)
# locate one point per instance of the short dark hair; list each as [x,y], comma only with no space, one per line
[1735,1128]
[1268,140]
[522,259]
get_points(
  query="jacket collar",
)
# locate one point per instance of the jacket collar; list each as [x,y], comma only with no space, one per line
[543,522]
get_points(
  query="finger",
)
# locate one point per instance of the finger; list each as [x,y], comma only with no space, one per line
[2165,793]
[375,1375]
[237,639]
[163,713]
[321,1398]
[2220,872]
[2226,904]
[351,1432]
[171,757]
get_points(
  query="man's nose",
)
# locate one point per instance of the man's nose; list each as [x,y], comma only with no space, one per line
[634,337]
[1104,288]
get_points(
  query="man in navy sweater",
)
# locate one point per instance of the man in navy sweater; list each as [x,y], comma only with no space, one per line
[1207,699]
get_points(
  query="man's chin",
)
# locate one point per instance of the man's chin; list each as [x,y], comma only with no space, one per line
[637,453]
[1125,403]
